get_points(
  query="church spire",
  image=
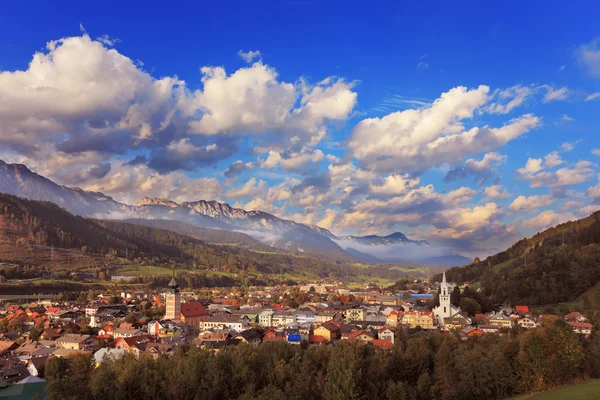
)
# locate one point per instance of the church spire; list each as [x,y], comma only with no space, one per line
[444,278]
[174,285]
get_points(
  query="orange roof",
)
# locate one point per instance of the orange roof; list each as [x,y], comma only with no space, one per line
[524,309]
[316,339]
[382,343]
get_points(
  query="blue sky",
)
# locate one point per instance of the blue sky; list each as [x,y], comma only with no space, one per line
[465,125]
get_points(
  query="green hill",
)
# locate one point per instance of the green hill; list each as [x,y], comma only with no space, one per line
[555,266]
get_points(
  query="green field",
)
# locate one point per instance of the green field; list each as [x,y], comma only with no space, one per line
[588,390]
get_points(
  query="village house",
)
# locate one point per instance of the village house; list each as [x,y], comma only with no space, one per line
[584,328]
[250,337]
[424,320]
[329,330]
[501,320]
[386,333]
[355,314]
[575,316]
[456,322]
[363,337]
[125,333]
[193,313]
[265,318]
[73,341]
[527,323]
[234,322]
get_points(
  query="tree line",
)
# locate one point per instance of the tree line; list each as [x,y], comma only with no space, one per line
[420,366]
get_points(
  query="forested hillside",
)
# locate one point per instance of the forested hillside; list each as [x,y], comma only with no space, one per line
[27,224]
[554,266]
[214,236]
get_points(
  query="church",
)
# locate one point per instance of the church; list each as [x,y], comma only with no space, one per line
[189,313]
[445,309]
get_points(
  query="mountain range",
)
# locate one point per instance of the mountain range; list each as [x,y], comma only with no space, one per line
[18,180]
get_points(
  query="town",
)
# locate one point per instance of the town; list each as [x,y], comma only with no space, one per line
[111,325]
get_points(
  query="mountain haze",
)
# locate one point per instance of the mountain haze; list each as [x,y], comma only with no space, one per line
[18,180]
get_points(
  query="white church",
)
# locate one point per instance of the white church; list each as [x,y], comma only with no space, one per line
[445,309]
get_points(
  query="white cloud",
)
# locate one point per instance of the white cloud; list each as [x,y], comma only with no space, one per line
[432,136]
[567,146]
[552,160]
[496,192]
[253,100]
[560,178]
[85,90]
[292,160]
[107,40]
[510,98]
[589,56]
[593,96]
[596,152]
[565,117]
[532,166]
[530,203]
[593,192]
[394,184]
[554,94]
[546,219]
[252,188]
[174,185]
[249,56]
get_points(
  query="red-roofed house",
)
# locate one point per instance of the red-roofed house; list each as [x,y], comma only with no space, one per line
[192,313]
[360,337]
[382,343]
[522,309]
[585,328]
[575,316]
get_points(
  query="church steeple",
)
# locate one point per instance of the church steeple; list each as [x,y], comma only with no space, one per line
[174,285]
[444,278]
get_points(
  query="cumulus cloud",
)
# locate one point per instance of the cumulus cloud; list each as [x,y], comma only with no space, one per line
[294,160]
[558,179]
[496,192]
[431,136]
[175,186]
[482,170]
[592,96]
[252,188]
[236,168]
[552,160]
[546,219]
[253,100]
[530,203]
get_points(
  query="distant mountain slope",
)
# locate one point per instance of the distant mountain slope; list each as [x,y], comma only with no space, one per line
[375,240]
[28,228]
[215,236]
[276,232]
[553,266]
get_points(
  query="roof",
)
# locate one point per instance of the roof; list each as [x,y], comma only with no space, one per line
[316,339]
[72,338]
[331,326]
[193,309]
[249,335]
[524,309]
[382,343]
[585,325]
